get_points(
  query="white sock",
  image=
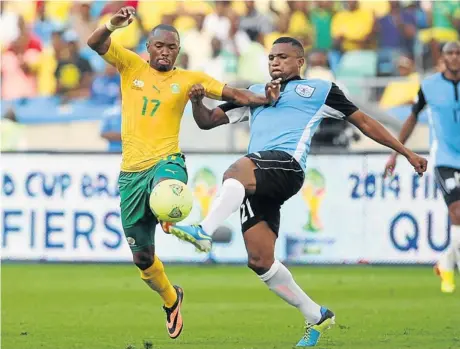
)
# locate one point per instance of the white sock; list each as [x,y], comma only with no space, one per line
[447,259]
[279,279]
[229,200]
[451,256]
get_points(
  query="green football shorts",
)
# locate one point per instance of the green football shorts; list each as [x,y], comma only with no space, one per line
[137,219]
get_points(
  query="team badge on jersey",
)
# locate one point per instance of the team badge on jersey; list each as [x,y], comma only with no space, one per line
[175,88]
[304,91]
[138,84]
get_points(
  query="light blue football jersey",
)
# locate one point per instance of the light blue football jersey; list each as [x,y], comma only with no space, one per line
[442,97]
[290,124]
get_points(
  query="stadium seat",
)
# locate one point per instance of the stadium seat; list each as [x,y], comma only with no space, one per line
[358,63]
[97,63]
[354,67]
[386,61]
[49,109]
[333,57]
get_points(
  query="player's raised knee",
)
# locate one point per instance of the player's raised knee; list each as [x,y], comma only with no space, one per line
[259,265]
[143,259]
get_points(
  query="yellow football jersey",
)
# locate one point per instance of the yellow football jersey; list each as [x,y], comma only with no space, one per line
[152,106]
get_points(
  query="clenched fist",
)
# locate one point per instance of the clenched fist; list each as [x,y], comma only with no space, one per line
[420,164]
[196,93]
[272,90]
[123,17]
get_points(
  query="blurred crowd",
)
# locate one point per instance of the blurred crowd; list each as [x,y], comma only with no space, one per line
[44,51]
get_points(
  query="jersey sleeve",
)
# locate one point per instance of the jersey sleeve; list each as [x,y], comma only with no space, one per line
[337,105]
[121,57]
[212,87]
[420,103]
[235,113]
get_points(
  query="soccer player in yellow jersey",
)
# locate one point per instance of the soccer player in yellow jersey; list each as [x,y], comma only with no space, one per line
[154,95]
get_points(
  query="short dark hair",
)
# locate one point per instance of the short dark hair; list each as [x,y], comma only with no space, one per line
[165,27]
[294,42]
[450,45]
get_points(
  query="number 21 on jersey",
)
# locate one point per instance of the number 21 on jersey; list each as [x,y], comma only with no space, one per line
[246,211]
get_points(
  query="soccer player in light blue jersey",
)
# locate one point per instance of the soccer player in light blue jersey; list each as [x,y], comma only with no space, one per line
[274,169]
[441,92]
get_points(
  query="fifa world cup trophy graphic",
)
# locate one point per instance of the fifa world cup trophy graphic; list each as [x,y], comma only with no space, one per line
[204,189]
[313,194]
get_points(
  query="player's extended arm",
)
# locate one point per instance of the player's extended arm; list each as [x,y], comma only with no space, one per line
[250,99]
[99,40]
[374,130]
[205,118]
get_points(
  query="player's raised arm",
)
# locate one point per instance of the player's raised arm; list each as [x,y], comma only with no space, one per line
[205,118]
[375,130]
[241,97]
[99,40]
[238,102]
[248,98]
[406,131]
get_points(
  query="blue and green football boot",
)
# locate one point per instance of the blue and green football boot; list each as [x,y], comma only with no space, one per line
[314,332]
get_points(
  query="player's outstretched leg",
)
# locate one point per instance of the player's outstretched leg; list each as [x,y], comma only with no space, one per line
[153,273]
[239,179]
[260,244]
[445,268]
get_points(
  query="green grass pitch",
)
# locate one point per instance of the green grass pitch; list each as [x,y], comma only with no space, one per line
[225,307]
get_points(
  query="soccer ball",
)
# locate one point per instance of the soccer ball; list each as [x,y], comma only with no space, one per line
[171,201]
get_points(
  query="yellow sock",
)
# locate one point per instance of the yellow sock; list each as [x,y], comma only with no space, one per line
[447,276]
[155,277]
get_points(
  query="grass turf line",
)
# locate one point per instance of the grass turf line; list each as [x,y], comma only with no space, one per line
[225,307]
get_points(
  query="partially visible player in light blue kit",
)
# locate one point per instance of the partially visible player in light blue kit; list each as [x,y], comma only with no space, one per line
[273,171]
[441,93]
